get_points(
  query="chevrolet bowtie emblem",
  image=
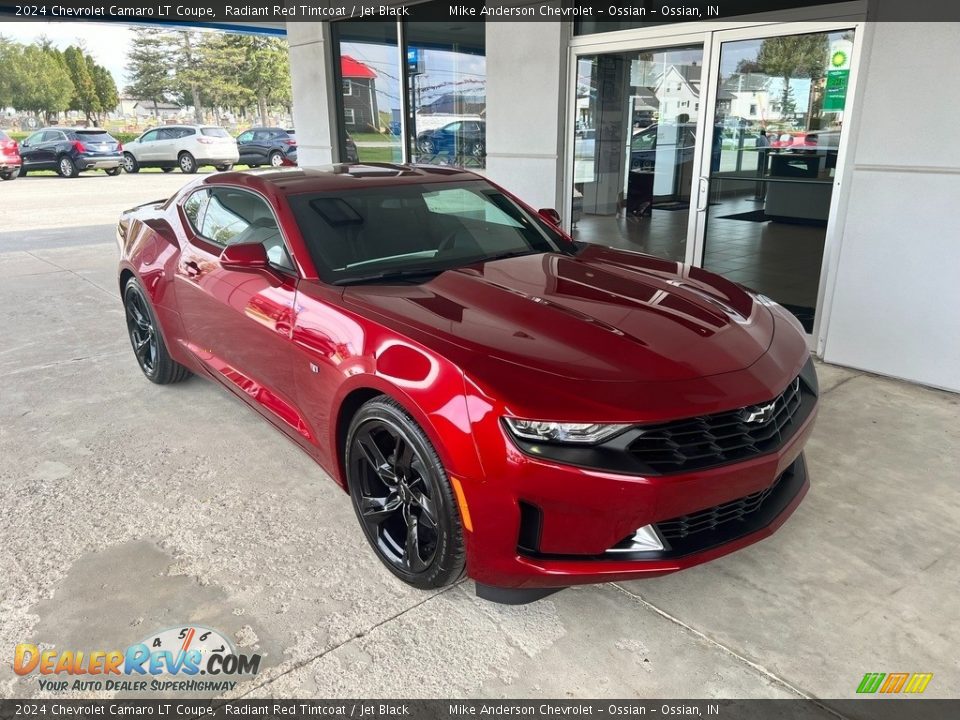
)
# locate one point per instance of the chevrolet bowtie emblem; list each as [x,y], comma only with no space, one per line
[759,414]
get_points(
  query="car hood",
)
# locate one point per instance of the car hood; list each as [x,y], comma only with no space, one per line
[602,315]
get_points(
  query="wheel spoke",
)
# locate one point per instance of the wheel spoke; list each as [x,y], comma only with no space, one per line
[371,451]
[141,345]
[376,510]
[411,551]
[403,457]
[426,507]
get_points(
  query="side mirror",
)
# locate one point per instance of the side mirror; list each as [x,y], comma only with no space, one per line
[245,256]
[550,215]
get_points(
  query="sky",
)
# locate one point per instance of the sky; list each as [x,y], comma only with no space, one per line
[106,43]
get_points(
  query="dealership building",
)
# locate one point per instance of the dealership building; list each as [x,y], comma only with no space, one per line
[808,154]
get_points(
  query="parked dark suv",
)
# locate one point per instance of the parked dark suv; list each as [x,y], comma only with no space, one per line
[70,151]
[267,146]
[459,138]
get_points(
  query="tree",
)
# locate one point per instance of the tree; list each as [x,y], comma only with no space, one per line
[793,56]
[107,93]
[85,96]
[42,83]
[219,82]
[265,71]
[188,72]
[10,62]
[150,65]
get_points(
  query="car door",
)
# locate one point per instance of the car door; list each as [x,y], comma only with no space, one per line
[30,150]
[239,322]
[145,150]
[47,150]
[449,137]
[263,143]
[245,147]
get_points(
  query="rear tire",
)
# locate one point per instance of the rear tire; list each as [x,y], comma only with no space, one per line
[147,341]
[276,159]
[402,496]
[225,168]
[187,163]
[130,163]
[113,172]
[67,167]
[9,175]
[167,169]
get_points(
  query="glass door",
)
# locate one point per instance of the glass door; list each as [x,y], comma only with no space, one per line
[635,135]
[767,181]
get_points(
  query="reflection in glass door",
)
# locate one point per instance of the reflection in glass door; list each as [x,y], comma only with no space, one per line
[773,156]
[634,142]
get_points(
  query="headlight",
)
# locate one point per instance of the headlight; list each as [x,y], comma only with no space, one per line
[578,433]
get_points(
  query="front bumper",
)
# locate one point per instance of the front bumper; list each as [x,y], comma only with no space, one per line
[99,162]
[580,514]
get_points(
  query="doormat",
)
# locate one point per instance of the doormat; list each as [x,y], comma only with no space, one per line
[760,216]
[804,314]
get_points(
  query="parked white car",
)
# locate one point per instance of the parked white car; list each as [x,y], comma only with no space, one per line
[187,147]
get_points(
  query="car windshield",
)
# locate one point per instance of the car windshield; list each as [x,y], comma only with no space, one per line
[384,233]
[215,132]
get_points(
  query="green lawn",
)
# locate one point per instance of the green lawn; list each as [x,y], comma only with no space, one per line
[374,137]
[378,154]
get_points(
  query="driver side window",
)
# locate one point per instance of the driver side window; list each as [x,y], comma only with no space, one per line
[233,217]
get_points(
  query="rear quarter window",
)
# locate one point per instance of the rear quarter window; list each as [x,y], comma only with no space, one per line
[215,132]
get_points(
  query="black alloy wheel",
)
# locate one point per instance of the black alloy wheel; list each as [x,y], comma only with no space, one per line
[146,340]
[402,496]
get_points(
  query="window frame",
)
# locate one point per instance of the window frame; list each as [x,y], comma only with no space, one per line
[346,87]
[352,121]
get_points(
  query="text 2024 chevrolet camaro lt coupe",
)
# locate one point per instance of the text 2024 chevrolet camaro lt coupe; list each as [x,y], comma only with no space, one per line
[497,398]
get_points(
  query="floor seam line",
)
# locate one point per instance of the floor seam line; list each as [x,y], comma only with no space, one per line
[733,653]
[72,272]
[841,384]
[349,640]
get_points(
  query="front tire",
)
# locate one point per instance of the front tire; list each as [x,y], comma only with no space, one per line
[225,168]
[146,340]
[402,496]
[113,172]
[188,164]
[130,164]
[167,169]
[67,167]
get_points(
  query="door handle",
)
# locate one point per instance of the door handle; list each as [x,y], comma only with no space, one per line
[191,268]
[703,193]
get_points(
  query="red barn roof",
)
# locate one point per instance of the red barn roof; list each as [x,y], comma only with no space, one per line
[351,68]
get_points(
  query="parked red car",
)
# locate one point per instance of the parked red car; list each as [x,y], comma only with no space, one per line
[498,399]
[9,157]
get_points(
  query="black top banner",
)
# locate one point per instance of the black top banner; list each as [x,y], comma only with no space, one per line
[636,13]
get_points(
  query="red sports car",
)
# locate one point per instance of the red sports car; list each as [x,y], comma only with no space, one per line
[496,398]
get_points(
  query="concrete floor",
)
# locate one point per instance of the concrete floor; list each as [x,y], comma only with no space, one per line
[131,507]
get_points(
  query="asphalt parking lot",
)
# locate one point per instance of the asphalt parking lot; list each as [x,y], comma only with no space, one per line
[131,507]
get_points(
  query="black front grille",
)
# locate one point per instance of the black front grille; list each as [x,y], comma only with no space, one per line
[710,440]
[712,517]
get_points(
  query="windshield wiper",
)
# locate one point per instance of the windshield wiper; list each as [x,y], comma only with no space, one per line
[510,254]
[411,275]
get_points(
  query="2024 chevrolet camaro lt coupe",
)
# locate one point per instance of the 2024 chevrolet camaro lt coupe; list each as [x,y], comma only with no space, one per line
[498,399]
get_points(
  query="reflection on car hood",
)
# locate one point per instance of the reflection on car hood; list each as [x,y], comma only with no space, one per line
[602,315]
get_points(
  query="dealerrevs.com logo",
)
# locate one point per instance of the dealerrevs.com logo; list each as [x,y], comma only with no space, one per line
[191,658]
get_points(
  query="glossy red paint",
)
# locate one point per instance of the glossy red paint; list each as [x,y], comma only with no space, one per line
[606,336]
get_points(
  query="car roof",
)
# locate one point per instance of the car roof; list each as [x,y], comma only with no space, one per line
[344,176]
